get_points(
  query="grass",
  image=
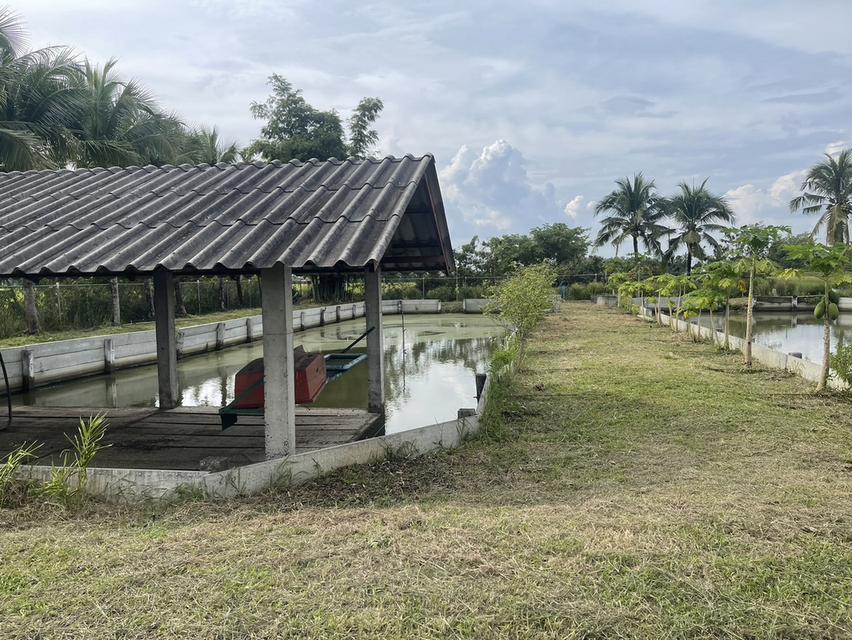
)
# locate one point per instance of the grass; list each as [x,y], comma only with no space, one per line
[631,484]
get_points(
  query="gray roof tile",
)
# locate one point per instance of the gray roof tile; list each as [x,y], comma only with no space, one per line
[337,214]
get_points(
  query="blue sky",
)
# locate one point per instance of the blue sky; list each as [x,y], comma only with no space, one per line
[531,109]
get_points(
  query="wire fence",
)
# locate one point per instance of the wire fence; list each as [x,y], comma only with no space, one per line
[80,305]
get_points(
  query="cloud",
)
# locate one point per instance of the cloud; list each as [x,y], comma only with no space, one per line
[492,189]
[753,204]
[573,206]
[834,148]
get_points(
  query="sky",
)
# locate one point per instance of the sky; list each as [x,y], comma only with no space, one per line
[531,109]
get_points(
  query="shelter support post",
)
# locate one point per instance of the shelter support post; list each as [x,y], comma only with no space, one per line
[375,342]
[278,363]
[164,319]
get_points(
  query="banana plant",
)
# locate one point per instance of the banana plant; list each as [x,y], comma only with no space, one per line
[830,265]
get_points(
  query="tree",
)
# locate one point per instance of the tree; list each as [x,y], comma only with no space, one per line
[294,129]
[118,123]
[636,212]
[204,146]
[37,99]
[753,242]
[725,277]
[830,265]
[827,191]
[697,213]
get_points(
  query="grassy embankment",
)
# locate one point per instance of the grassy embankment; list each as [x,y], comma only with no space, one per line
[633,484]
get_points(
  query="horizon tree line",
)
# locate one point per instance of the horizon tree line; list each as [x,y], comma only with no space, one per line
[693,218]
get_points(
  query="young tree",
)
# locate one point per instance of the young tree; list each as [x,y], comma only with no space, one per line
[697,213]
[635,212]
[827,190]
[829,264]
[725,277]
[752,244]
[296,129]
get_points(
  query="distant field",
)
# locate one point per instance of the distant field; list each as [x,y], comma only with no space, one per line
[630,483]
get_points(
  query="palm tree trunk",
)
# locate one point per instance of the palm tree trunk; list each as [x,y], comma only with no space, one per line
[116,302]
[635,247]
[727,324]
[749,315]
[30,308]
[826,344]
[688,260]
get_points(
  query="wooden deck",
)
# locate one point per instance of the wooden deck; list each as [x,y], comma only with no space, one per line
[179,438]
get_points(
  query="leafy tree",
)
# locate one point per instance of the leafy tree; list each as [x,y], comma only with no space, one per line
[697,213]
[560,244]
[523,299]
[204,145]
[725,277]
[469,258]
[118,123]
[829,264]
[635,212]
[752,242]
[295,129]
[38,97]
[827,191]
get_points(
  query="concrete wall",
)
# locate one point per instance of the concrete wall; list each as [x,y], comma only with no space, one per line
[771,358]
[474,305]
[606,300]
[48,362]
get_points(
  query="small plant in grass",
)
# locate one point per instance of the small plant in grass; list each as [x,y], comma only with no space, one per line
[69,479]
[10,466]
[830,265]
[523,299]
[841,362]
[753,242]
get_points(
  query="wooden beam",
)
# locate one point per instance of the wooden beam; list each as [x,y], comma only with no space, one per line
[375,342]
[164,319]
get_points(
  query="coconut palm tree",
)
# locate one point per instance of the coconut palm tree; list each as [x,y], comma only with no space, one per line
[37,99]
[204,145]
[635,212]
[118,122]
[697,214]
[827,190]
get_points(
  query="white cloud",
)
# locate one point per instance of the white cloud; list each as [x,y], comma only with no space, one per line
[573,206]
[752,204]
[833,148]
[492,189]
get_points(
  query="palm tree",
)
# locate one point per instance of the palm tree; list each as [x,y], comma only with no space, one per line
[118,123]
[204,145]
[697,213]
[37,98]
[635,212]
[827,190]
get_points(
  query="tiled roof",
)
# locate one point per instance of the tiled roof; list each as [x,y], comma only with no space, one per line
[337,214]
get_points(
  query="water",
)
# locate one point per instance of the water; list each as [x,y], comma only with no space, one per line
[429,373]
[788,332]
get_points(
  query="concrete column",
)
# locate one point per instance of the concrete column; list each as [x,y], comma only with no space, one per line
[164,319]
[375,342]
[279,385]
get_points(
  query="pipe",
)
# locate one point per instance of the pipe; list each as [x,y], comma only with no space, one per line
[8,391]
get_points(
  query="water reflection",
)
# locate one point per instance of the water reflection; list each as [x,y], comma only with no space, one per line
[789,332]
[429,371]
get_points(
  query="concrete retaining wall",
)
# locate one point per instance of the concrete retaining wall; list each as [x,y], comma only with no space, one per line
[771,358]
[48,362]
[606,300]
[474,305]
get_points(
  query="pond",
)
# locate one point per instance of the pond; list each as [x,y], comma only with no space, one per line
[788,332]
[430,368]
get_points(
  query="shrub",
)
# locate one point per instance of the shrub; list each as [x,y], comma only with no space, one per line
[526,297]
[445,293]
[841,362]
[70,478]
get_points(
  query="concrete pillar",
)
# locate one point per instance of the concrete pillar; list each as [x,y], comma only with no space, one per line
[164,319]
[109,355]
[279,386]
[375,342]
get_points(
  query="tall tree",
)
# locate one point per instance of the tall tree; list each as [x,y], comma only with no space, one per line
[37,99]
[697,214]
[295,129]
[827,192]
[118,122]
[635,211]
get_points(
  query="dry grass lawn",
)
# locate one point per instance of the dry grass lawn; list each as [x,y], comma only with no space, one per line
[631,483]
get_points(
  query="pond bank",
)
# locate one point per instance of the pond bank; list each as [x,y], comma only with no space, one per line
[628,483]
